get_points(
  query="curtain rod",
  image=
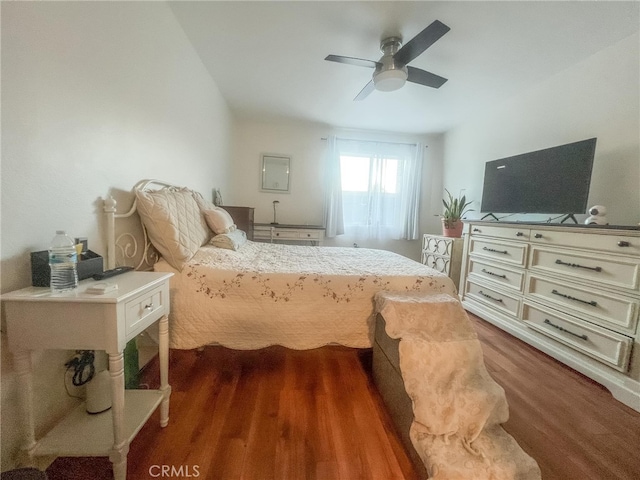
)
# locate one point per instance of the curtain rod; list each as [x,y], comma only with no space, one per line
[373,141]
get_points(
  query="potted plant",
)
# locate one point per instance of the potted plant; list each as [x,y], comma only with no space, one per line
[454,209]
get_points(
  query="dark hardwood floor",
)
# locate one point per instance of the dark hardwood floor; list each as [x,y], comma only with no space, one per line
[278,413]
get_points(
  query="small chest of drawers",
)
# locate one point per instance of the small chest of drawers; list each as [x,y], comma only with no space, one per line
[443,254]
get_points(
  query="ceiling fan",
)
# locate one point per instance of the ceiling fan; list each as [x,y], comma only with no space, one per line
[392,70]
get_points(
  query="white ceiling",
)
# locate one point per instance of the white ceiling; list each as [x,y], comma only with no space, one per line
[267,57]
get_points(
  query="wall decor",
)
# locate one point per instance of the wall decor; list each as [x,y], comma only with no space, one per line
[275,173]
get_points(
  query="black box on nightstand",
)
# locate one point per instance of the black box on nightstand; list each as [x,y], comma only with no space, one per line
[89,264]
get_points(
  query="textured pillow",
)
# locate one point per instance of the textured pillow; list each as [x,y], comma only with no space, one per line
[219,221]
[174,223]
[230,241]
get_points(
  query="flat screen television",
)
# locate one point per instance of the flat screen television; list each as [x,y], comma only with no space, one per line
[553,180]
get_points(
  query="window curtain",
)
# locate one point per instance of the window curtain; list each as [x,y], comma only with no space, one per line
[333,216]
[386,211]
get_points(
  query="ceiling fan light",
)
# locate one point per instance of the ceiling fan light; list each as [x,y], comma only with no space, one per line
[390,80]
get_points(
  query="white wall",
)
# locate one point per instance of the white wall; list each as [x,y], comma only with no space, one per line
[598,97]
[95,96]
[305,203]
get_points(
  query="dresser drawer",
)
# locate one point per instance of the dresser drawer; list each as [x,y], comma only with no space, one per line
[501,232]
[507,252]
[438,245]
[612,311]
[508,304]
[604,345]
[309,235]
[506,277]
[624,245]
[615,271]
[144,309]
[437,262]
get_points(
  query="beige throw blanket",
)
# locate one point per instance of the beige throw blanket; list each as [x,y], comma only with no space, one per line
[457,406]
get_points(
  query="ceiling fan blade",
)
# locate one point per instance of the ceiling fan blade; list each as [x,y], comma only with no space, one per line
[364,93]
[359,62]
[421,42]
[423,77]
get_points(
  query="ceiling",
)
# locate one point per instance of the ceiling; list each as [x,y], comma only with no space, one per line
[267,57]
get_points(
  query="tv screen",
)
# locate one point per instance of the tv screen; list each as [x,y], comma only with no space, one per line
[554,180]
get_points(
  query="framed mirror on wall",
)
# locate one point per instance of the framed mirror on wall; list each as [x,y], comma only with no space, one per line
[275,173]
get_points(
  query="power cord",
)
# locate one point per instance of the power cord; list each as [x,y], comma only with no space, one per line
[83,367]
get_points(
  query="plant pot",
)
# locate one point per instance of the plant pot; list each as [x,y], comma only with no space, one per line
[454,230]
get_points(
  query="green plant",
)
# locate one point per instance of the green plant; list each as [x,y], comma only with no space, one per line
[454,208]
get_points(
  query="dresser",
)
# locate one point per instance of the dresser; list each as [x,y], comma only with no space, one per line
[443,254]
[571,291]
[242,217]
[290,234]
[78,320]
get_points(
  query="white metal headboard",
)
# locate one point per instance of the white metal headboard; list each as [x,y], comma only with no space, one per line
[123,249]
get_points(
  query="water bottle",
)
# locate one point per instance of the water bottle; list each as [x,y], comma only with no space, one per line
[63,262]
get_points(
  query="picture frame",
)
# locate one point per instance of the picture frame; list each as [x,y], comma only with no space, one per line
[275,173]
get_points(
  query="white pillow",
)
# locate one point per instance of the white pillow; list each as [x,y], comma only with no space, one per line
[231,241]
[174,223]
[219,221]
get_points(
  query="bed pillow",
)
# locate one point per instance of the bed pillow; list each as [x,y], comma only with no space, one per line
[175,225]
[232,241]
[219,221]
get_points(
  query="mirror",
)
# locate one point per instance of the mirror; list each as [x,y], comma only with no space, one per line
[276,173]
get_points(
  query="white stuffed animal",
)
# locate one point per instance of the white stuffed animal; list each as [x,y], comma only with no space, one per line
[597,216]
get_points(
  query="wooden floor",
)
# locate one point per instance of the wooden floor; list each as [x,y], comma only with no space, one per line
[278,413]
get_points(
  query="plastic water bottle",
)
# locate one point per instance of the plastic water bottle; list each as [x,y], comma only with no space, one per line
[63,261]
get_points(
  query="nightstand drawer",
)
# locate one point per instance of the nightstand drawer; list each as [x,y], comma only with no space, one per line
[437,262]
[604,345]
[144,309]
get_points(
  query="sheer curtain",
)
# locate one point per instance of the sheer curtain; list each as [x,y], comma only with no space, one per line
[379,193]
[333,217]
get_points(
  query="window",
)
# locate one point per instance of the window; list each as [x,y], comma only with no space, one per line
[378,188]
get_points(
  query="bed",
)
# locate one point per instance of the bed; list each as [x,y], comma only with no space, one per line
[253,295]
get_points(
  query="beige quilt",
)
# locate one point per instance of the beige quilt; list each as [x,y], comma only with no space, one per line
[458,408]
[300,297]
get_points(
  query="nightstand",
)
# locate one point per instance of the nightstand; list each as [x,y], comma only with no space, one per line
[443,254]
[76,320]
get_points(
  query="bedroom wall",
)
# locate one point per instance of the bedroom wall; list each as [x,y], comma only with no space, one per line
[597,97]
[303,141]
[95,96]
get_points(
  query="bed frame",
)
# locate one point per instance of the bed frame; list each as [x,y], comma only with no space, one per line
[131,247]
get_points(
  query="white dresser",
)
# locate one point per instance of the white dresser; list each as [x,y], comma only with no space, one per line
[443,254]
[291,234]
[571,291]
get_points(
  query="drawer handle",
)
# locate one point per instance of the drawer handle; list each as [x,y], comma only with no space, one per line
[490,297]
[476,230]
[149,307]
[494,274]
[622,243]
[538,235]
[582,337]
[519,234]
[576,265]
[568,297]
[504,252]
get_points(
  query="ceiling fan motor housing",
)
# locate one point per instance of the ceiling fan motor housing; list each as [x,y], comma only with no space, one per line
[390,75]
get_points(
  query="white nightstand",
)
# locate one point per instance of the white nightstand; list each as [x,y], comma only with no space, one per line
[443,254]
[76,320]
